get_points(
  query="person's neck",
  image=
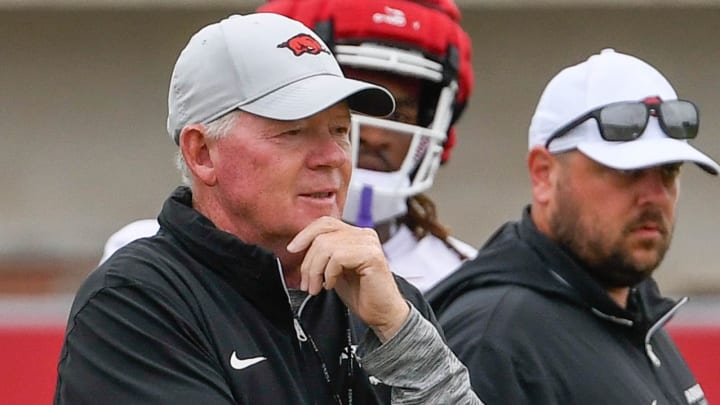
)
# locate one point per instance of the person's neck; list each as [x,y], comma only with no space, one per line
[386,230]
[291,268]
[619,295]
[292,279]
[290,261]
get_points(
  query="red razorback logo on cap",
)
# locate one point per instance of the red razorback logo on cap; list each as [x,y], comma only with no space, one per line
[303,43]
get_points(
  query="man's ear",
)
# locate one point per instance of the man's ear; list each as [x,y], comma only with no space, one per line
[195,148]
[542,167]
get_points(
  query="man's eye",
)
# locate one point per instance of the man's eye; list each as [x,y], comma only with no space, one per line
[671,171]
[631,172]
[341,131]
[401,117]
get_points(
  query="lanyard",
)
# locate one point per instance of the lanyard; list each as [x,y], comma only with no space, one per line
[348,351]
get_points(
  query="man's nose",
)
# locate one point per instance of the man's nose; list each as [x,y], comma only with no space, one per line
[654,186]
[374,138]
[330,153]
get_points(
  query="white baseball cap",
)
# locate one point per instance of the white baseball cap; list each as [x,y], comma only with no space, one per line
[602,79]
[265,64]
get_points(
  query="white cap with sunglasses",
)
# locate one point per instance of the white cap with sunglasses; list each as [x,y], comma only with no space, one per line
[651,127]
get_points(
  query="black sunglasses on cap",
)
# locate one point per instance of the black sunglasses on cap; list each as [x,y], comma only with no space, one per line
[626,121]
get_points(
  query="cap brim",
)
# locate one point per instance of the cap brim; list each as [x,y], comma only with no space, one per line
[641,153]
[311,95]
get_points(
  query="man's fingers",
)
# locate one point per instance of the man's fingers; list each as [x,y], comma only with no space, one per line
[322,267]
[305,238]
[333,270]
[312,270]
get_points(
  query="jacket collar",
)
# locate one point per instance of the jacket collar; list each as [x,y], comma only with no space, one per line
[251,270]
[645,307]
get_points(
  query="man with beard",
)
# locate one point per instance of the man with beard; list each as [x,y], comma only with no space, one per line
[559,307]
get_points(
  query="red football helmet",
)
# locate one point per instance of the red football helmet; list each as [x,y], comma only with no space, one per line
[420,39]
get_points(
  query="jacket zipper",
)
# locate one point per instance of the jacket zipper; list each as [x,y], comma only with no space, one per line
[299,332]
[656,326]
[303,337]
[627,322]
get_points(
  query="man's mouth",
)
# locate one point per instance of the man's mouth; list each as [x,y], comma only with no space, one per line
[325,194]
[377,161]
[650,222]
[649,230]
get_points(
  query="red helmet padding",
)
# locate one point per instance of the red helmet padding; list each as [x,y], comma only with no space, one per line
[449,144]
[438,30]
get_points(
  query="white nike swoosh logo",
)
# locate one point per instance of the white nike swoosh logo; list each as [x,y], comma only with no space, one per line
[239,364]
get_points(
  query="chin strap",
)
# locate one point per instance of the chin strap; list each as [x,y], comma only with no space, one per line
[364,216]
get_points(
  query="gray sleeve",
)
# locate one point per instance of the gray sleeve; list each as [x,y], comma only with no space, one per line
[418,365]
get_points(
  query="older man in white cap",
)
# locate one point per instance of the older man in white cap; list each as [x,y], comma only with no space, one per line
[560,307]
[253,291]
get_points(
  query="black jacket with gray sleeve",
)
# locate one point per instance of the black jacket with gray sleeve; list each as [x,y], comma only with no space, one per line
[194,316]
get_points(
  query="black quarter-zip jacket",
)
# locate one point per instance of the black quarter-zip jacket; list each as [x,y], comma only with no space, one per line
[194,316]
[534,328]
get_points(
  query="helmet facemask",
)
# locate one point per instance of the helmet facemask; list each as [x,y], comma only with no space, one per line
[378,196]
[420,39]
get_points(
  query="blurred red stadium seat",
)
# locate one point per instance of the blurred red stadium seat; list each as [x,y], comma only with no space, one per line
[29,363]
[701,347]
[30,353]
